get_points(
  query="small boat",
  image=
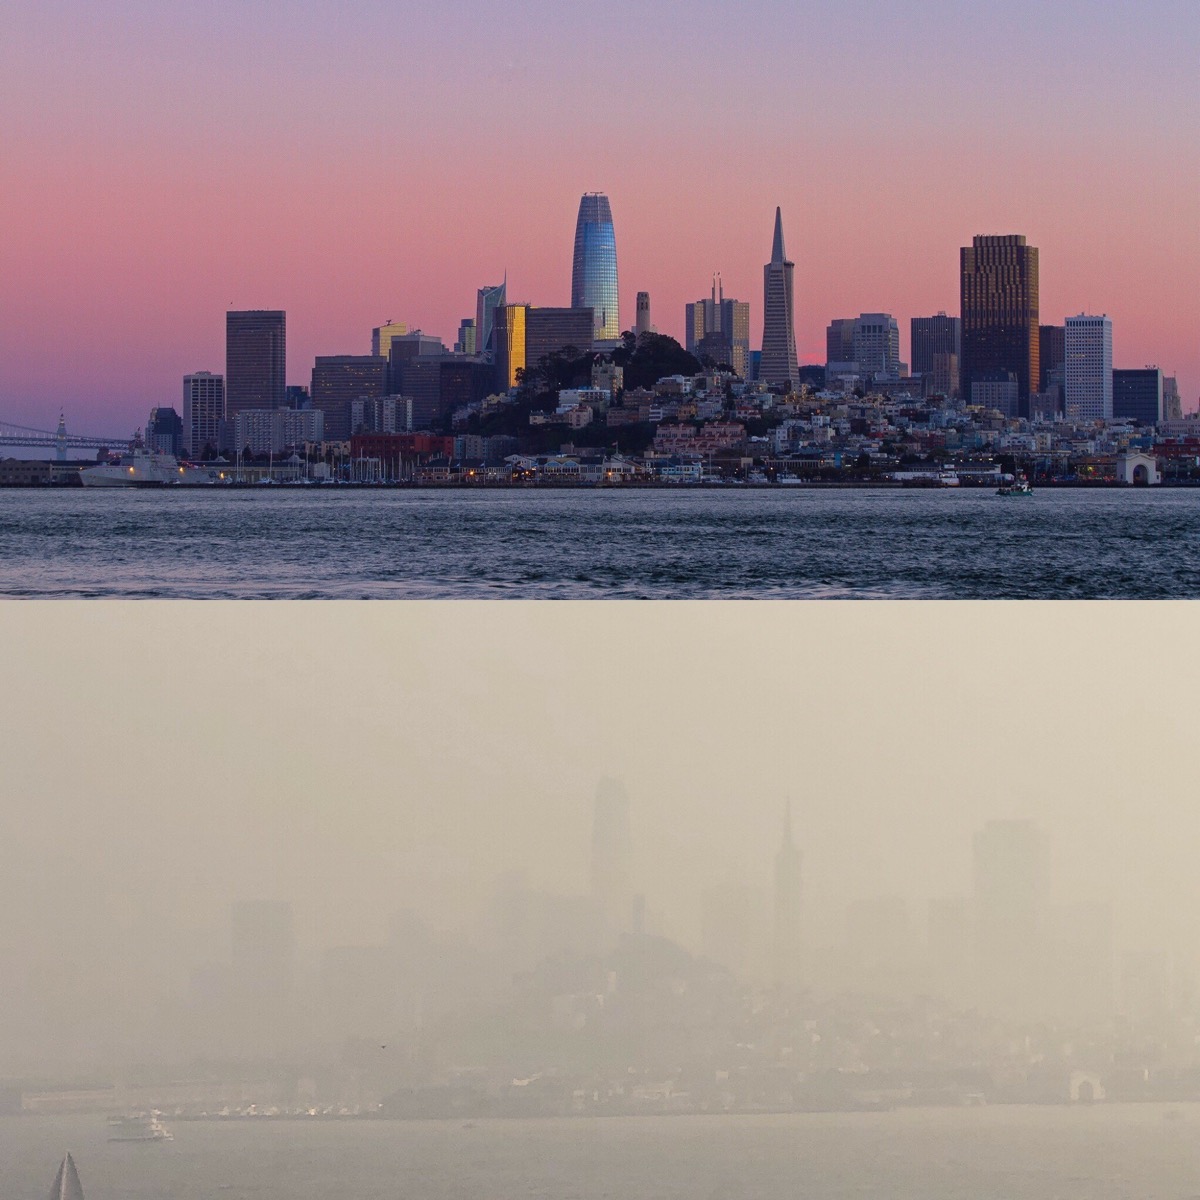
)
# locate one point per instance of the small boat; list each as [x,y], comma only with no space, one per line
[1018,487]
[138,1127]
[66,1182]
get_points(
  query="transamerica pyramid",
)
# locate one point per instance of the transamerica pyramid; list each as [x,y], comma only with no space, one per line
[778,364]
[66,1182]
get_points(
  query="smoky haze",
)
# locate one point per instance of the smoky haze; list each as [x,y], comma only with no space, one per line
[266,831]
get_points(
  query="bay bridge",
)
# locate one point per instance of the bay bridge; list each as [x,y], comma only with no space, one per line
[58,440]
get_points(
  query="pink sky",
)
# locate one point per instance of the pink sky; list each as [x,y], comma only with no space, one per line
[358,162]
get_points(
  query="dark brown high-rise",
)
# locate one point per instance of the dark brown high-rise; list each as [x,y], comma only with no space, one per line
[999,278]
[1052,343]
[255,360]
[339,379]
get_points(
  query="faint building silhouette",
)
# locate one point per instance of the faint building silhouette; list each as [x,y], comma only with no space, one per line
[726,926]
[612,860]
[785,964]
[1012,884]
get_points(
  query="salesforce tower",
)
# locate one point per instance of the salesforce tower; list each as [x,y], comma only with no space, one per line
[594,270]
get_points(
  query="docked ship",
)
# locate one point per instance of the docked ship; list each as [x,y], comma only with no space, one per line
[139,1127]
[143,468]
[135,468]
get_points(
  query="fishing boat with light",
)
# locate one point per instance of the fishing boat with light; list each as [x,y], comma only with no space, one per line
[1017,487]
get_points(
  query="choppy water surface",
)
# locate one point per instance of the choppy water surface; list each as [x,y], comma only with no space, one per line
[794,543]
[1123,1152]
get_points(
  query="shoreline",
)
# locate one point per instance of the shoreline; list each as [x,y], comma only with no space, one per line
[642,486]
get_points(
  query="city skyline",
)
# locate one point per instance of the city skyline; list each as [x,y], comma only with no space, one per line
[473,745]
[115,219]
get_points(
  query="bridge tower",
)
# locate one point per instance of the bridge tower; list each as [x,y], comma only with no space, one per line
[60,438]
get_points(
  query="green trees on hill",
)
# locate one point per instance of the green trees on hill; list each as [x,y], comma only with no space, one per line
[652,357]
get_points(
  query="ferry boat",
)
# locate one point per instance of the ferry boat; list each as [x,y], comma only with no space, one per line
[138,1127]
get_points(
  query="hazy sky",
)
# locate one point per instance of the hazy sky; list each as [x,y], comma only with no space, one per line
[355,162]
[161,761]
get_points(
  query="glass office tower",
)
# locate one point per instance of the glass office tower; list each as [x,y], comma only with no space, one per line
[594,272]
[255,360]
[999,291]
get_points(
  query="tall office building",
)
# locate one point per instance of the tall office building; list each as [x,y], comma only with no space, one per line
[508,339]
[876,345]
[1011,886]
[778,366]
[839,341]
[164,431]
[1087,367]
[552,330]
[465,343]
[488,300]
[999,291]
[203,411]
[612,860]
[1138,395]
[643,314]
[785,955]
[406,349]
[594,268]
[1172,402]
[337,379]
[255,360]
[934,341]
[1051,354]
[433,386]
[524,335]
[382,336]
[719,329]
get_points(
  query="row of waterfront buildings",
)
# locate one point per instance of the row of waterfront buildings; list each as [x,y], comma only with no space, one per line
[997,355]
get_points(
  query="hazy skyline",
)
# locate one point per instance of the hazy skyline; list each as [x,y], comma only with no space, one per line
[163,761]
[354,164]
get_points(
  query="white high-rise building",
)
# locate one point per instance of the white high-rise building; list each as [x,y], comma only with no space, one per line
[877,345]
[203,411]
[1087,366]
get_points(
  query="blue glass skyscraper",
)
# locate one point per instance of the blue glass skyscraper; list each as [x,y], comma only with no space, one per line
[594,272]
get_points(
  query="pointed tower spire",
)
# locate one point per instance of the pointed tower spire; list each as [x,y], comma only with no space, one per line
[778,367]
[786,963]
[777,252]
[66,1183]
